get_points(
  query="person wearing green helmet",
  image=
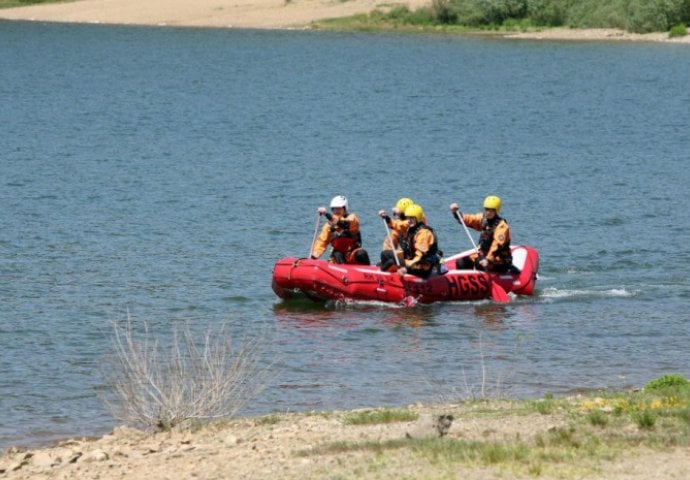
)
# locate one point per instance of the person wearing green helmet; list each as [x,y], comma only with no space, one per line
[493,249]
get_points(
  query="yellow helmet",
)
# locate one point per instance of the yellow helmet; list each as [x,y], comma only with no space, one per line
[493,202]
[403,203]
[415,211]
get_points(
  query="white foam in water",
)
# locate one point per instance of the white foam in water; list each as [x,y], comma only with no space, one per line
[620,292]
[558,293]
[354,304]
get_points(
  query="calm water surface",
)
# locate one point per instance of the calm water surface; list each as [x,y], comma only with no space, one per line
[162,172]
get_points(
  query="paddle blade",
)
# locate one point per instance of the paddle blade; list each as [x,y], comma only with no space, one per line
[498,294]
[409,301]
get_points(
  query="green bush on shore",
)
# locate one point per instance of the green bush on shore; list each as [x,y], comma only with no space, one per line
[637,16]
[22,3]
[667,381]
[679,30]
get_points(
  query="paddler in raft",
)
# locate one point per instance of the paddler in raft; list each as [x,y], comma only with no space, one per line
[396,226]
[493,249]
[420,254]
[341,232]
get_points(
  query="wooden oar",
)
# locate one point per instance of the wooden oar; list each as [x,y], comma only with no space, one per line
[498,294]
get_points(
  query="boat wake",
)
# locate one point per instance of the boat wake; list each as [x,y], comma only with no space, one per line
[556,293]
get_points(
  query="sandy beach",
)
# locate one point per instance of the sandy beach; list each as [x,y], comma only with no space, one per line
[598,34]
[267,14]
[201,13]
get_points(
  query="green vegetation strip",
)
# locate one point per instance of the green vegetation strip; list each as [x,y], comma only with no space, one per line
[385,415]
[463,16]
[24,3]
[598,428]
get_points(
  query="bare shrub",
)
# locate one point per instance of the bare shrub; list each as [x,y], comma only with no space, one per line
[482,381]
[162,387]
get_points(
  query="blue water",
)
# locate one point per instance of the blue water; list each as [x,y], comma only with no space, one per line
[160,173]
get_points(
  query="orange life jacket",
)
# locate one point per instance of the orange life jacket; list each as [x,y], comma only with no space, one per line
[430,258]
[502,255]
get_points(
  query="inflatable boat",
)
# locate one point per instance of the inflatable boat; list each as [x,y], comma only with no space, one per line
[320,281]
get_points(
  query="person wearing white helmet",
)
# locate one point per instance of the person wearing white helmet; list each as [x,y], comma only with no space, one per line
[494,240]
[341,232]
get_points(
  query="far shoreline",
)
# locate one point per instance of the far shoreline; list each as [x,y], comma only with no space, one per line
[591,35]
[308,15]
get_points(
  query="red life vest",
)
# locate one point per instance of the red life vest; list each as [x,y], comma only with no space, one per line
[342,240]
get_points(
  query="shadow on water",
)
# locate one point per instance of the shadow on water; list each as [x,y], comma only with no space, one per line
[303,312]
[493,315]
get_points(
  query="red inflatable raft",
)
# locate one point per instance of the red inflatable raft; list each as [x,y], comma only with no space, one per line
[320,280]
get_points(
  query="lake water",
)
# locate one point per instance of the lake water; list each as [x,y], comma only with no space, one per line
[161,172]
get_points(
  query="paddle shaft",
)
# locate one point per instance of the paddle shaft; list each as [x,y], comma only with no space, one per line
[390,240]
[316,232]
[408,300]
[467,230]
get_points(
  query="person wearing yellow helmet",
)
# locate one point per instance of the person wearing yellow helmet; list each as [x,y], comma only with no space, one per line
[401,205]
[397,226]
[418,244]
[341,232]
[493,249]
[397,223]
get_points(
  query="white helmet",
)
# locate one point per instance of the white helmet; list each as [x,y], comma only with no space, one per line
[339,201]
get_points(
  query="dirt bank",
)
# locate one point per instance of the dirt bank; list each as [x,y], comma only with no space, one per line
[328,445]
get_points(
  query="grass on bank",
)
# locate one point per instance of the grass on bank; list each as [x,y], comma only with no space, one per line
[386,415]
[462,16]
[587,431]
[25,3]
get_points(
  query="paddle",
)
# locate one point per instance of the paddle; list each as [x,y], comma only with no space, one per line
[390,240]
[459,218]
[498,294]
[316,232]
[408,300]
